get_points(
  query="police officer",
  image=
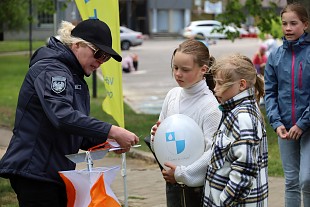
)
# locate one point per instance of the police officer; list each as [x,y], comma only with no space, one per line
[52,115]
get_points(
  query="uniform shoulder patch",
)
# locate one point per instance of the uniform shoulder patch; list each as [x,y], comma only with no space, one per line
[58,84]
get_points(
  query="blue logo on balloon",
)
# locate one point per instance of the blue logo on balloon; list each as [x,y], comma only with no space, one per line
[179,144]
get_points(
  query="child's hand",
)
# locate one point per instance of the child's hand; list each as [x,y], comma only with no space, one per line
[154,128]
[168,175]
[294,132]
[281,132]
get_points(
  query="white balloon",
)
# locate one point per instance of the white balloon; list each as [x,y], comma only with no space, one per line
[178,140]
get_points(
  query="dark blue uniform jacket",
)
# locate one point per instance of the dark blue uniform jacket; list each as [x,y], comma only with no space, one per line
[51,117]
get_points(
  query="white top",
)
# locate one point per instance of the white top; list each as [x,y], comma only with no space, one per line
[127,62]
[199,103]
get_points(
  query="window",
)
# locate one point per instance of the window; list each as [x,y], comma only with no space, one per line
[45,20]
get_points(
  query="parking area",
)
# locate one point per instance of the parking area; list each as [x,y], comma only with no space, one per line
[146,89]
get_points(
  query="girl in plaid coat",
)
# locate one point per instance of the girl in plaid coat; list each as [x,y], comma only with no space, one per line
[237,174]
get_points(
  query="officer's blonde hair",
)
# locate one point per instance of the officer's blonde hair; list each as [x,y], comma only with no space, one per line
[65,36]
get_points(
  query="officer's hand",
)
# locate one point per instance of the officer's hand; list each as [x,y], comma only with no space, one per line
[123,137]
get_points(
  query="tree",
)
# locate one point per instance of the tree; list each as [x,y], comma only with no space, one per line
[14,14]
[266,18]
[236,13]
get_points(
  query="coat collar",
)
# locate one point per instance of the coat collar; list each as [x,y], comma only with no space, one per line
[230,104]
[302,41]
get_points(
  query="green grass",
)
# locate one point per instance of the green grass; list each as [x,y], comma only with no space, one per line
[274,160]
[12,46]
[13,70]
[7,195]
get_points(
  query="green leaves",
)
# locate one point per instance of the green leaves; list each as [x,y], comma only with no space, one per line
[236,14]
[14,14]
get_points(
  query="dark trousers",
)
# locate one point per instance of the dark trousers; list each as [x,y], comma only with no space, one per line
[183,196]
[135,64]
[33,193]
[126,70]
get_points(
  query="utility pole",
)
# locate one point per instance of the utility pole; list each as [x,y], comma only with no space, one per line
[55,17]
[95,83]
[30,28]
[128,5]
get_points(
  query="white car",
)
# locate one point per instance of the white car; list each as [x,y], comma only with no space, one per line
[206,28]
[130,38]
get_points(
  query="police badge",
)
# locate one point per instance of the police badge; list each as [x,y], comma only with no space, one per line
[58,84]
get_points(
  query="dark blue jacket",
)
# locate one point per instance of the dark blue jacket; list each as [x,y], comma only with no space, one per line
[287,84]
[51,117]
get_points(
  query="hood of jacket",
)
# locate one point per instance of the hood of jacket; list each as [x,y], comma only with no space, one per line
[55,49]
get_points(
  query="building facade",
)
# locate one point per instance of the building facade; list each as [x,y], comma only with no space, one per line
[151,17]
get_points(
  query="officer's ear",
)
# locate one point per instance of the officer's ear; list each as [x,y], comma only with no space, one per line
[75,46]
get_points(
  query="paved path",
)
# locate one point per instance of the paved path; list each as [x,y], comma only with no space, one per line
[146,89]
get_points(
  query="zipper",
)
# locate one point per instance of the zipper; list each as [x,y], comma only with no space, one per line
[292,87]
